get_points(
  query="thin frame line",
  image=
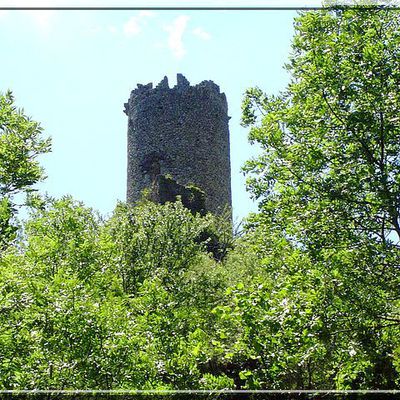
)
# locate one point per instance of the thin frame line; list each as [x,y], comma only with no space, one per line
[272,391]
[255,8]
[124,8]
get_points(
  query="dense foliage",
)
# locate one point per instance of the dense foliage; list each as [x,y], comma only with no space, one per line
[20,144]
[121,303]
[155,297]
[328,180]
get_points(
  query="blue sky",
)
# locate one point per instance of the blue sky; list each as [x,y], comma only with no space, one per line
[73,70]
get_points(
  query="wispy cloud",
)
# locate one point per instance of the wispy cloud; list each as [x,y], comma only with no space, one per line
[43,20]
[134,25]
[175,35]
[201,33]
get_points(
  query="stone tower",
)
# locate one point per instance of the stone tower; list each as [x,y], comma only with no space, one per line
[179,137]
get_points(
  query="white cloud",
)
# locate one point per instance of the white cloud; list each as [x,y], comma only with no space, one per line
[134,25]
[43,20]
[175,34]
[201,33]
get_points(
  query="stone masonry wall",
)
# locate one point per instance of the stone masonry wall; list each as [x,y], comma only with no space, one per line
[182,133]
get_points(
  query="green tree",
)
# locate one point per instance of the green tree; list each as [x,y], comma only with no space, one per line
[20,144]
[331,149]
[149,239]
[118,304]
[328,182]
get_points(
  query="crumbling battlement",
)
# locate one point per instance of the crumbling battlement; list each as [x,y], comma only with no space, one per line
[205,88]
[181,132]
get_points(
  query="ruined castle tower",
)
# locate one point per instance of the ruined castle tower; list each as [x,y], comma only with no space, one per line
[179,137]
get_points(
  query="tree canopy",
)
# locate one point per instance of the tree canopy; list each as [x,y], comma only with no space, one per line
[157,297]
[331,148]
[21,142]
[328,180]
